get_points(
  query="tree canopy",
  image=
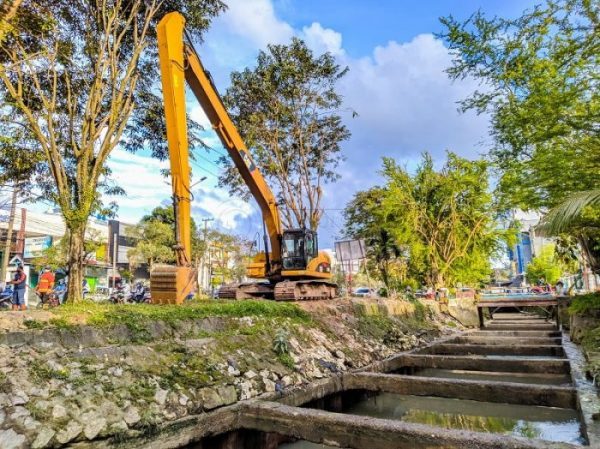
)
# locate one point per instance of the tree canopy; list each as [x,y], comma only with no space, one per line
[540,84]
[287,111]
[440,223]
[78,79]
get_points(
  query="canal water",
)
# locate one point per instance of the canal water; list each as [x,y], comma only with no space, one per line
[537,379]
[546,423]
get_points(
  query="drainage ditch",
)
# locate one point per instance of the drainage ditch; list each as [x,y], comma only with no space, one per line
[517,383]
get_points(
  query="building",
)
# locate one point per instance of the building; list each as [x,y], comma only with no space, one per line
[34,232]
[529,244]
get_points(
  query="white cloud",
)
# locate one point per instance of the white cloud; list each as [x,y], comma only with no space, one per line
[144,186]
[322,40]
[406,104]
[255,20]
[226,210]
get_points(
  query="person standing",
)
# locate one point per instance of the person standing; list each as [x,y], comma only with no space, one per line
[45,285]
[20,283]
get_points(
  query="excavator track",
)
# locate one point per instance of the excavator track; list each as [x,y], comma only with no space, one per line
[248,290]
[305,290]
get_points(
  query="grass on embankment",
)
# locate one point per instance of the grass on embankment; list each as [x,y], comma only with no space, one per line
[106,314]
[583,304]
[589,305]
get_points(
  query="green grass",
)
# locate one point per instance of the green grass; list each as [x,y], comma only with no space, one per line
[585,303]
[40,371]
[34,324]
[286,360]
[591,340]
[136,316]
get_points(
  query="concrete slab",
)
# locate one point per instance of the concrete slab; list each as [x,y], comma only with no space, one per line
[478,363]
[501,341]
[485,391]
[515,350]
[361,432]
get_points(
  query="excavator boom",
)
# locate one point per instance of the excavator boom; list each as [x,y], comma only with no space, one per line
[179,60]
[299,272]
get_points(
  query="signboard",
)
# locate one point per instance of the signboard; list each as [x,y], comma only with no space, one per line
[16,261]
[348,250]
[35,245]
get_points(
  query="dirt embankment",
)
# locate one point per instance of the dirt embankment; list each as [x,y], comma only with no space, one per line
[95,372]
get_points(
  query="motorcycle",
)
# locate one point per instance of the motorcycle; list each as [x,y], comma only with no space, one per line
[48,300]
[140,294]
[119,295]
[6,296]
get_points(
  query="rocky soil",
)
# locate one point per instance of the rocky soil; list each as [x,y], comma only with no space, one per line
[64,384]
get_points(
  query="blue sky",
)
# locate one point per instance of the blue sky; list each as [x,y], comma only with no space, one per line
[396,84]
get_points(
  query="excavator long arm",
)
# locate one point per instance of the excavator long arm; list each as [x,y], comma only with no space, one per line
[179,61]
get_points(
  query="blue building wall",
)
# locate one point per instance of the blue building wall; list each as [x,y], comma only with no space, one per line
[522,252]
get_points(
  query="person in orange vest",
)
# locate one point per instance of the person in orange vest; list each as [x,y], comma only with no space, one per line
[45,284]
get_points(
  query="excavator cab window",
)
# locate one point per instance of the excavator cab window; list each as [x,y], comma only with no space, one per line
[299,246]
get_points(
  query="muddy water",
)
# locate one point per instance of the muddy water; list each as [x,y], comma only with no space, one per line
[552,424]
[537,379]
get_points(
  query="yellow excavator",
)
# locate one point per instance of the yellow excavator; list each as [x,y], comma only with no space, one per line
[293,269]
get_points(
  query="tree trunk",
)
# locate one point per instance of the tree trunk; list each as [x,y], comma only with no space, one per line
[9,233]
[75,264]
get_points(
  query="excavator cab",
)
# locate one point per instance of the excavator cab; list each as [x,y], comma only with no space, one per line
[299,246]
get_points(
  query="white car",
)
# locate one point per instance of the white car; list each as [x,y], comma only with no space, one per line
[364,292]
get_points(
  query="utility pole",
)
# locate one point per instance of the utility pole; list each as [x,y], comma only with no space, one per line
[202,280]
[114,258]
[9,233]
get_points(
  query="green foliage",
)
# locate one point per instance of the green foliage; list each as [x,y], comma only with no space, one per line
[40,371]
[583,304]
[366,219]
[137,317]
[286,360]
[34,324]
[281,342]
[228,255]
[545,267]
[541,76]
[286,109]
[437,227]
[155,241]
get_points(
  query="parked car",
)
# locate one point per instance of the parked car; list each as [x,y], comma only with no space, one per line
[364,292]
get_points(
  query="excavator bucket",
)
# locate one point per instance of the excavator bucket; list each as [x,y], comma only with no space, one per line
[170,284]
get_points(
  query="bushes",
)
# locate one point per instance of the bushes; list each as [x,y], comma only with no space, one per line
[585,303]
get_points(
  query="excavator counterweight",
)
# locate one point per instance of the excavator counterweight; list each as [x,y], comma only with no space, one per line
[293,267]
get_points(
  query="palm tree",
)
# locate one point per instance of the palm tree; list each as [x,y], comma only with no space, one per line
[559,219]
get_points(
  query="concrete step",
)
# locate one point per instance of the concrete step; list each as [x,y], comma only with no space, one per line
[498,340]
[478,390]
[514,350]
[516,333]
[518,327]
[478,363]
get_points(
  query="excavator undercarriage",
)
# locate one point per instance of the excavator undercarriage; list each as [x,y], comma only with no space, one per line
[302,290]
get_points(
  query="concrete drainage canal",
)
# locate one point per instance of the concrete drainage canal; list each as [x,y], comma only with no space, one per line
[516,383]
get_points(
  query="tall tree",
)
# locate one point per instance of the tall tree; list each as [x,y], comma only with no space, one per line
[541,87]
[366,219]
[8,9]
[80,77]
[287,111]
[450,214]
